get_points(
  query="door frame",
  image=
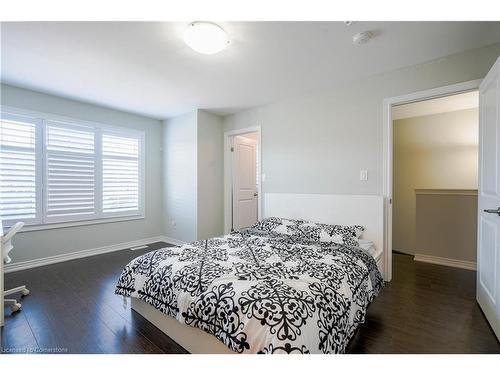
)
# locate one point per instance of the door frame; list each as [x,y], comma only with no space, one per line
[228,171]
[387,172]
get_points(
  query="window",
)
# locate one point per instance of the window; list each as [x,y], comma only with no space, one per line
[18,177]
[54,171]
[70,162]
[120,173]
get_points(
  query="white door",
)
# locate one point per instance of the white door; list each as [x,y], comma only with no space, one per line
[244,182]
[488,258]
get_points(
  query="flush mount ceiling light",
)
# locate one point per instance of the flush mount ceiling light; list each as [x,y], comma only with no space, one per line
[362,37]
[206,37]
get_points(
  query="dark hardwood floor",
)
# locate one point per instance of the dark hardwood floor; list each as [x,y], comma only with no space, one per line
[426,308]
[72,309]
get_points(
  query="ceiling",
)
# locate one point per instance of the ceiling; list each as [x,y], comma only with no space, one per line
[445,104]
[145,67]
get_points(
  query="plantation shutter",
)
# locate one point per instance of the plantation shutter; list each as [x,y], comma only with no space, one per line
[70,172]
[120,173]
[18,187]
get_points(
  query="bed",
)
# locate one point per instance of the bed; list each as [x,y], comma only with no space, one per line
[282,286]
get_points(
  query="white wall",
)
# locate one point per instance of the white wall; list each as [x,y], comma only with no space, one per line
[193,176]
[40,244]
[210,175]
[317,143]
[180,179]
[183,183]
[437,151]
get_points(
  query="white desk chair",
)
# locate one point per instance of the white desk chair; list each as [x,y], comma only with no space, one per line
[6,248]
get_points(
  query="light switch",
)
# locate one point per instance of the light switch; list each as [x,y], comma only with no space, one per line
[363,175]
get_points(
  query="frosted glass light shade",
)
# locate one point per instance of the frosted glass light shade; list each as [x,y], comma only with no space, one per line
[206,37]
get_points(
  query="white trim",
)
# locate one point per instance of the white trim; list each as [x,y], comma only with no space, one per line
[173,241]
[457,263]
[387,153]
[466,192]
[98,190]
[37,227]
[228,171]
[18,266]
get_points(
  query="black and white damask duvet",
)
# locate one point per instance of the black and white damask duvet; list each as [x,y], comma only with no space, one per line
[260,292]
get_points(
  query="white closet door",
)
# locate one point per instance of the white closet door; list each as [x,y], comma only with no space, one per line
[244,182]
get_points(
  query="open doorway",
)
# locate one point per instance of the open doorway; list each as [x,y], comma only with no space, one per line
[488,196]
[435,179]
[242,179]
[387,192]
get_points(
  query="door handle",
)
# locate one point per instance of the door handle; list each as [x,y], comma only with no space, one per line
[256,194]
[493,211]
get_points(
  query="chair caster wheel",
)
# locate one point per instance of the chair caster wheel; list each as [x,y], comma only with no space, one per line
[15,307]
[25,292]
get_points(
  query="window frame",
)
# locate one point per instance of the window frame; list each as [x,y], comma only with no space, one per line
[41,120]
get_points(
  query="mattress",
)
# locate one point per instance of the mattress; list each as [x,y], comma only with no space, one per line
[259,292]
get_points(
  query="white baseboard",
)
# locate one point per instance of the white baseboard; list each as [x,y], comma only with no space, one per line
[17,266]
[173,241]
[468,265]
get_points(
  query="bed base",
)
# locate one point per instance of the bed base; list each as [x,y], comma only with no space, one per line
[192,339]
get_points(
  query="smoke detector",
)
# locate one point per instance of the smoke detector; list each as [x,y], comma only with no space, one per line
[362,37]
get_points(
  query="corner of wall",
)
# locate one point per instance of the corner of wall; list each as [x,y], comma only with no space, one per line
[210,175]
[180,155]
